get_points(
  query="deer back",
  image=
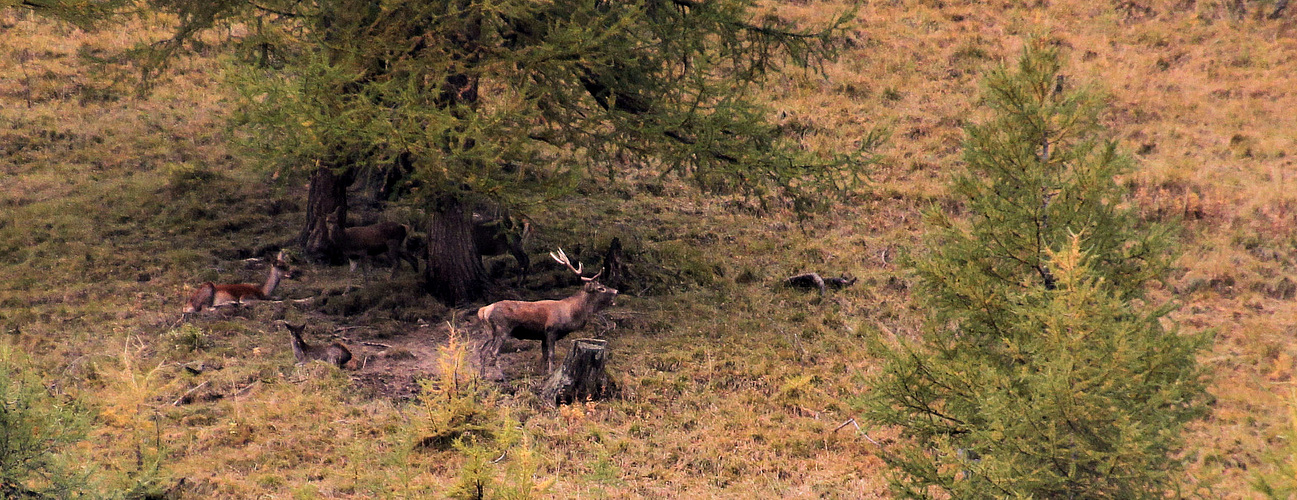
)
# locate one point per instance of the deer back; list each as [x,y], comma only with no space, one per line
[234,293]
[374,238]
[530,316]
[337,354]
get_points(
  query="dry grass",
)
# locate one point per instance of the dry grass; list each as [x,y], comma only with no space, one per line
[114,206]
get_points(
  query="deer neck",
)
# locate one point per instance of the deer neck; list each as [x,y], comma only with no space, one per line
[299,345]
[338,234]
[582,305]
[276,274]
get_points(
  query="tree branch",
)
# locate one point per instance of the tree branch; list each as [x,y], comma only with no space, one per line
[274,11]
[754,28]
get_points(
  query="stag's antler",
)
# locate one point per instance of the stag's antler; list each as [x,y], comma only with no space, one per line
[562,259]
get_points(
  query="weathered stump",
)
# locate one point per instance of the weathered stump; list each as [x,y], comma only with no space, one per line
[582,376]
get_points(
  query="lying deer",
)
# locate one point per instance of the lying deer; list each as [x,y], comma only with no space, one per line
[335,353]
[211,295]
[546,320]
[375,239]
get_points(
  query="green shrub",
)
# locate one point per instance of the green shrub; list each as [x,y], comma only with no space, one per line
[36,429]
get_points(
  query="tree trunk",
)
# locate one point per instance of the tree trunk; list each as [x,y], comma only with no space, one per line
[454,272]
[582,376]
[328,195]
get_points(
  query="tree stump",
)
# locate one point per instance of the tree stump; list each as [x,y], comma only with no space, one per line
[582,375]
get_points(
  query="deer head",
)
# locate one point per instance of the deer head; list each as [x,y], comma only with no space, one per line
[600,295]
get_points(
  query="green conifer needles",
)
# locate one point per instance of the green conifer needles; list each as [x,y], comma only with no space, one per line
[1044,372]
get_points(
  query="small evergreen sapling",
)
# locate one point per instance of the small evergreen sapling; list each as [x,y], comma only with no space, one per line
[37,431]
[1044,371]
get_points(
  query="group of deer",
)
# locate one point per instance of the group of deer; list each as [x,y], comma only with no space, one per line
[491,236]
[210,296]
[546,320]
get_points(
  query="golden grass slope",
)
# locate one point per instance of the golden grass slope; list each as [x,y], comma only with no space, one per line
[113,207]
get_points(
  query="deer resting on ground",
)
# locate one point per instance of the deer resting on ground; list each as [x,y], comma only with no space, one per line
[546,320]
[211,295]
[375,239]
[335,354]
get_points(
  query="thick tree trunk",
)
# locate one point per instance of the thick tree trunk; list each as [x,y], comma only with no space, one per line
[583,375]
[328,195]
[454,271]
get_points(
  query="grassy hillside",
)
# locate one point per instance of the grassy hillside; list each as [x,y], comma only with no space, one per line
[114,207]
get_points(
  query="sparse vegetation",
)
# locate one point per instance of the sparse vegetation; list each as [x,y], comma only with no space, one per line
[112,208]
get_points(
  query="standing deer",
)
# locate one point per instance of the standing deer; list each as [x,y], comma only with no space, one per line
[497,235]
[335,353]
[211,295]
[546,320]
[367,241]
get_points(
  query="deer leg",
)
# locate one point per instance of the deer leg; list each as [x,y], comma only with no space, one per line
[524,263]
[489,353]
[414,262]
[351,276]
[491,356]
[364,270]
[547,351]
[394,259]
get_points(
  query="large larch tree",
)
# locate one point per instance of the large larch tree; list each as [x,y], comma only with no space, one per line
[461,103]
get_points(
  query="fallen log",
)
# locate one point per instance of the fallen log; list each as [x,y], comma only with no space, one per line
[813,280]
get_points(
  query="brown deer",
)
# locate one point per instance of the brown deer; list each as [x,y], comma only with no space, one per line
[546,320]
[211,295]
[498,235]
[335,353]
[375,239]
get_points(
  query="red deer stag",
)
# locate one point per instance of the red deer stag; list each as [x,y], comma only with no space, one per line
[546,320]
[367,241]
[211,295]
[335,353]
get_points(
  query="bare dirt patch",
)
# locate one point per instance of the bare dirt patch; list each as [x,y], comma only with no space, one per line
[392,367]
